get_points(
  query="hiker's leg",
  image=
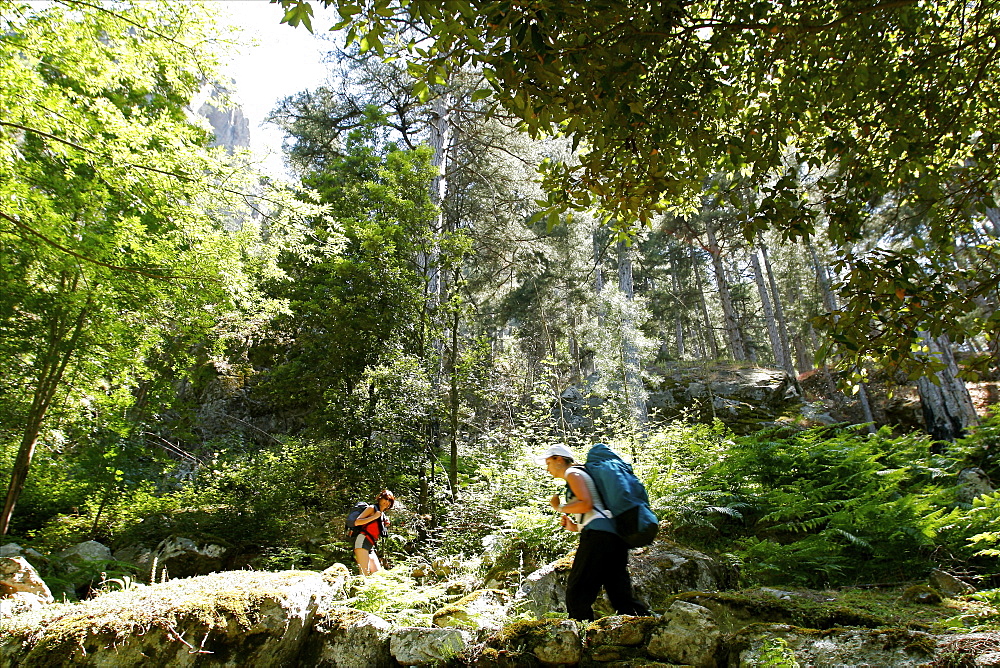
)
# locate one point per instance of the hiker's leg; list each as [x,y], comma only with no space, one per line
[362,548]
[584,578]
[361,556]
[374,565]
[617,581]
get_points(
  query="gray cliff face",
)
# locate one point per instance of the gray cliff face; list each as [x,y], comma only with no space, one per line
[231,127]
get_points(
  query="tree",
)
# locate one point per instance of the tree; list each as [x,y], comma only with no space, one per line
[109,246]
[661,96]
[354,299]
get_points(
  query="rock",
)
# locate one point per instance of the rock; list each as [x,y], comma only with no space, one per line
[618,638]
[991,659]
[89,550]
[550,642]
[348,639]
[18,576]
[921,594]
[665,568]
[895,648]
[972,483]
[948,584]
[686,634]
[544,590]
[183,557]
[485,609]
[10,550]
[561,646]
[337,576]
[421,646]
[140,556]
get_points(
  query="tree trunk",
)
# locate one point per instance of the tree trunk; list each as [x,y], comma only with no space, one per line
[944,400]
[779,310]
[453,363]
[679,318]
[769,320]
[636,393]
[736,346]
[61,346]
[713,343]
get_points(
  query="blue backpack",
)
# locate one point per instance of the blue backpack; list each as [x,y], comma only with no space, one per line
[623,494]
[353,514]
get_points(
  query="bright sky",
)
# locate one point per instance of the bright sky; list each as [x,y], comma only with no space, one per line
[284,61]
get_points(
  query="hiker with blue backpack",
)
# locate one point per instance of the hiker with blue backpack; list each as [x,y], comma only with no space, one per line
[607,504]
[366,524]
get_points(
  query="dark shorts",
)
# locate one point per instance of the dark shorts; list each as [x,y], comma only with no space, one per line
[363,542]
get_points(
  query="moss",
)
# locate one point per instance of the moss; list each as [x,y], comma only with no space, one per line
[921,594]
[525,632]
[800,610]
[908,640]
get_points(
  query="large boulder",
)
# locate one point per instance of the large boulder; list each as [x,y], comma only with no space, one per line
[484,609]
[665,568]
[17,576]
[686,634]
[90,550]
[544,590]
[345,638]
[729,393]
[552,642]
[185,557]
[658,571]
[886,648]
[238,618]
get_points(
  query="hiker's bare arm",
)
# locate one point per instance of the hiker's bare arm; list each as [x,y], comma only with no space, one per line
[369,515]
[567,523]
[583,503]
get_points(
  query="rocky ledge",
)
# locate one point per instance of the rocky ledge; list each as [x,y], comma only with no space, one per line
[305,618]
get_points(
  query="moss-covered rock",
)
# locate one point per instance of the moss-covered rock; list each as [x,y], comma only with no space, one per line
[482,609]
[233,618]
[551,642]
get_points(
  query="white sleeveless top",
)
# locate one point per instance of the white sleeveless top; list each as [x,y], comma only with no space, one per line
[599,512]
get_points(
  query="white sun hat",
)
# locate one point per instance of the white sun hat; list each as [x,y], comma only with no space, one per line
[554,451]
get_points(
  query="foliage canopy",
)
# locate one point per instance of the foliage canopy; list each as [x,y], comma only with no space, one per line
[885,108]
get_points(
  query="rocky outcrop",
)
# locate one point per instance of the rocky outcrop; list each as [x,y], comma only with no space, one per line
[658,571]
[835,647]
[245,618]
[236,618]
[734,395]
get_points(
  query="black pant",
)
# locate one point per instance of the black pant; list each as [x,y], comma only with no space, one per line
[601,560]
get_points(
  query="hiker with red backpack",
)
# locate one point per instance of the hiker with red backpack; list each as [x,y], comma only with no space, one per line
[366,525]
[602,556]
